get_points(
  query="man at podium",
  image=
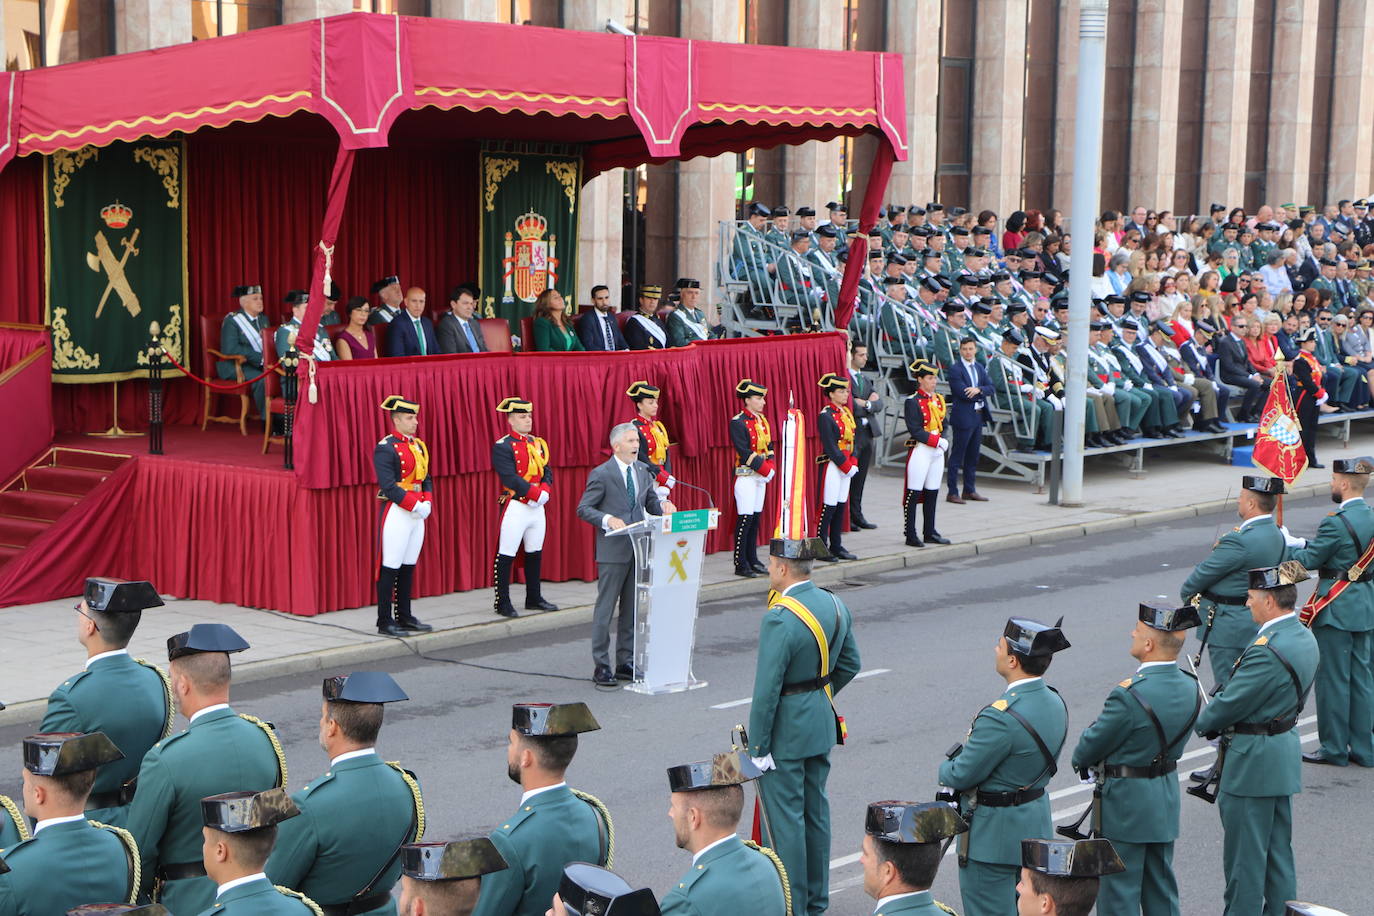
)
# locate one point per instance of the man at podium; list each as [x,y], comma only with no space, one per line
[619,492]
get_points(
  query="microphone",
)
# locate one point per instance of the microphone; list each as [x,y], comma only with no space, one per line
[710,502]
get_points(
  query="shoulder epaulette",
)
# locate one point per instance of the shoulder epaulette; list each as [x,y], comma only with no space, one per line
[166,695]
[999,705]
[71,681]
[271,734]
[782,871]
[170,738]
[384,440]
[287,892]
[1126,683]
[414,786]
[135,862]
[1263,640]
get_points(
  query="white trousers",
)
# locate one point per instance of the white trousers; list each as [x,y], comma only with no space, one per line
[403,534]
[835,487]
[925,468]
[521,522]
[749,491]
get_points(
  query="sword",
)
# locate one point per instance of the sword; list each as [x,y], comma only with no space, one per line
[1193,665]
[739,741]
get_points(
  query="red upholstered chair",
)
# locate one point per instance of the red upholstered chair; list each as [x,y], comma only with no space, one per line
[527,334]
[271,388]
[379,332]
[496,333]
[622,319]
[209,355]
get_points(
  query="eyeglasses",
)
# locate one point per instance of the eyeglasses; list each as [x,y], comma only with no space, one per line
[77,607]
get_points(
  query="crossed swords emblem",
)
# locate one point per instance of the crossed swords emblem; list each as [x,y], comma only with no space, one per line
[104,260]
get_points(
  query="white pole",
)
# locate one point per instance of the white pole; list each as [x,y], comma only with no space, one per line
[1087,177]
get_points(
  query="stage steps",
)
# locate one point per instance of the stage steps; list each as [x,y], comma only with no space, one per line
[47,490]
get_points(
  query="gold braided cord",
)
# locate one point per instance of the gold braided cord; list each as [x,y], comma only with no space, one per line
[605,814]
[13,811]
[271,734]
[166,694]
[414,788]
[288,892]
[131,849]
[949,910]
[782,871]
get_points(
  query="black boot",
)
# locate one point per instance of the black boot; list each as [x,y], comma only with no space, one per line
[386,593]
[534,601]
[909,501]
[751,544]
[501,586]
[931,501]
[742,567]
[405,581]
[823,531]
[836,530]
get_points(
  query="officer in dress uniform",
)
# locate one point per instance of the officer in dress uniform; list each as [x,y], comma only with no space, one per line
[1344,621]
[728,875]
[1260,759]
[836,429]
[445,879]
[339,852]
[554,825]
[902,848]
[1001,770]
[240,830]
[1132,750]
[1061,877]
[388,289]
[69,860]
[240,334]
[322,349]
[927,445]
[1016,391]
[807,654]
[129,700]
[687,322]
[653,435]
[179,771]
[867,408]
[401,462]
[752,438]
[645,330]
[521,462]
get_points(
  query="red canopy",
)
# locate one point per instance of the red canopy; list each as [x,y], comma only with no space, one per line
[635,99]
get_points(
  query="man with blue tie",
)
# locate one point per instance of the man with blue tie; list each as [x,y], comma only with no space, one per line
[411,334]
[459,331]
[970,389]
[598,327]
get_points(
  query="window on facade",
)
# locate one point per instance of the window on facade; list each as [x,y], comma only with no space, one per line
[527,12]
[1192,82]
[1037,145]
[213,18]
[41,33]
[954,125]
[1257,130]
[1116,115]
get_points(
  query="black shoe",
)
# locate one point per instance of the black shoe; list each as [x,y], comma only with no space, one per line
[391,629]
[758,567]
[1315,464]
[934,537]
[603,676]
[414,625]
[1092,440]
[846,555]
[1317,758]
[539,604]
[507,610]
[1130,433]
[746,572]
[829,558]
[625,673]
[913,541]
[861,522]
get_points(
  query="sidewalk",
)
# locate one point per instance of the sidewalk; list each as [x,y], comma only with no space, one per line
[1179,483]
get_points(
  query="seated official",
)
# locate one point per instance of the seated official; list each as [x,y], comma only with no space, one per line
[411,333]
[240,334]
[330,316]
[553,331]
[459,329]
[388,289]
[323,349]
[598,327]
[645,331]
[356,341]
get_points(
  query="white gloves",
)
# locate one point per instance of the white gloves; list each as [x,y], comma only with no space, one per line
[943,444]
[851,472]
[422,510]
[1188,378]
[1057,401]
[764,763]
[1110,388]
[672,481]
[1149,386]
[1026,388]
[543,498]
[769,478]
[1127,385]
[1290,540]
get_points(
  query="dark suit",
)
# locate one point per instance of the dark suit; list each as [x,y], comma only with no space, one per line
[606,494]
[865,427]
[1203,365]
[640,338]
[592,327]
[401,339]
[453,340]
[1237,371]
[966,416]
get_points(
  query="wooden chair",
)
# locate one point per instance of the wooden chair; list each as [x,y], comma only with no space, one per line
[209,355]
[271,388]
[496,333]
[527,334]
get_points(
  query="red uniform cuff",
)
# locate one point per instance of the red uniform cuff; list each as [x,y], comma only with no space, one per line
[409,501]
[766,468]
[662,478]
[850,464]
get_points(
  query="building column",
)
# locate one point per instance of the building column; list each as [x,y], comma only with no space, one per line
[1066,93]
[477,10]
[144,24]
[811,174]
[1352,117]
[1226,114]
[914,32]
[1290,109]
[1154,103]
[301,10]
[999,73]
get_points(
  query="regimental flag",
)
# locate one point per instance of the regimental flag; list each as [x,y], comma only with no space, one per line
[116,257]
[1278,441]
[792,524]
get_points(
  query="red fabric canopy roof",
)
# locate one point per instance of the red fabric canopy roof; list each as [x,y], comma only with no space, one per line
[633,99]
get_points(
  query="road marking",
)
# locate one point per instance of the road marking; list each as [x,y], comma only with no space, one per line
[747,700]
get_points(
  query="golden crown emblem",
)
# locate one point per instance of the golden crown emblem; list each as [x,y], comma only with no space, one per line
[116,215]
[531,225]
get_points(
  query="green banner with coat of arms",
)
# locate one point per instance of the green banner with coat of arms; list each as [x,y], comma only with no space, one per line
[528,204]
[116,257]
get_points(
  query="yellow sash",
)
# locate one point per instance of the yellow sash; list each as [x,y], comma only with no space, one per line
[822,643]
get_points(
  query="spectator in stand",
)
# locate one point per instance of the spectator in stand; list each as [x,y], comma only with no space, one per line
[1118,276]
[1110,224]
[553,330]
[1287,336]
[1015,232]
[1260,347]
[1235,369]
[1137,221]
[1182,323]
[1168,298]
[1356,344]
[987,219]
[355,341]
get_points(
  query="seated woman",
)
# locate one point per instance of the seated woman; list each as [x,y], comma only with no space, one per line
[553,332]
[355,341]
[1182,322]
[1261,348]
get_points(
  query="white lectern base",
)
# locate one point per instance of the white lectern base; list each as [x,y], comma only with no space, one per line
[645,688]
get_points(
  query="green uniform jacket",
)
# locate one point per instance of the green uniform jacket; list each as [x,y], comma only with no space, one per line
[260,898]
[129,701]
[1332,548]
[1259,690]
[999,755]
[219,752]
[233,341]
[921,903]
[335,846]
[803,724]
[1141,810]
[680,333]
[550,830]
[728,878]
[14,827]
[947,340]
[1255,543]
[64,866]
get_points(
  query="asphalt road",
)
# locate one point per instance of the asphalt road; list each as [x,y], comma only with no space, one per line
[926,641]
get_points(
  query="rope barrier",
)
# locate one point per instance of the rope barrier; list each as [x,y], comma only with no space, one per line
[215,386]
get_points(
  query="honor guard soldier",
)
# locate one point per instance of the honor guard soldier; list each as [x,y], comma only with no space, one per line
[240,830]
[240,342]
[521,461]
[338,852]
[728,875]
[1260,757]
[177,772]
[1061,877]
[752,438]
[927,446]
[836,428]
[807,654]
[445,879]
[1133,750]
[1001,770]
[653,435]
[128,699]
[555,825]
[902,848]
[1342,617]
[401,462]
[69,860]
[588,889]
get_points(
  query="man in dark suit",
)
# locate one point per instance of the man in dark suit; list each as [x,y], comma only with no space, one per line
[411,334]
[619,492]
[1235,368]
[459,330]
[867,407]
[1203,364]
[970,390]
[598,328]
